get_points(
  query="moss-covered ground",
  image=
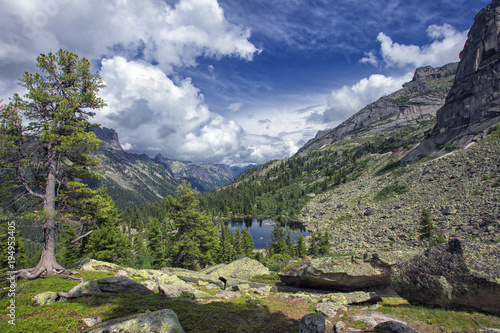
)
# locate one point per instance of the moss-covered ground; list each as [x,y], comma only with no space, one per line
[273,313]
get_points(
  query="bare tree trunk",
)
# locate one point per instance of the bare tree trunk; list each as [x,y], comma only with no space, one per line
[48,264]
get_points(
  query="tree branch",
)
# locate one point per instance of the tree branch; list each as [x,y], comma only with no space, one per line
[80,237]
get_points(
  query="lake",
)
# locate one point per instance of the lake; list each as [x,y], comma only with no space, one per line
[261,230]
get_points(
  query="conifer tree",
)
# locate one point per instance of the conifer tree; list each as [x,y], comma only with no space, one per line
[195,243]
[278,241]
[313,249]
[226,244]
[156,244]
[248,244]
[300,247]
[45,140]
[427,227]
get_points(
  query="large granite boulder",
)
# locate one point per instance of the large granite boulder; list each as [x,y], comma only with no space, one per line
[242,269]
[473,103]
[343,273]
[122,284]
[459,274]
[162,321]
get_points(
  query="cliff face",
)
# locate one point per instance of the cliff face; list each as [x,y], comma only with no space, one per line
[417,101]
[473,103]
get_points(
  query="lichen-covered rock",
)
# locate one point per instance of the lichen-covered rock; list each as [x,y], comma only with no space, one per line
[459,274]
[312,323]
[85,288]
[122,284]
[341,273]
[92,321]
[175,289]
[242,269]
[162,321]
[357,297]
[49,297]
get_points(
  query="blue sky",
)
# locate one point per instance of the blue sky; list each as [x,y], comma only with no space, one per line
[234,81]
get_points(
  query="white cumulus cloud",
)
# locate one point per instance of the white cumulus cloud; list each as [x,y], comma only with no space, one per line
[349,99]
[445,48]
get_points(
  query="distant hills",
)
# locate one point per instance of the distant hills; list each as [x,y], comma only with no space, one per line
[134,179]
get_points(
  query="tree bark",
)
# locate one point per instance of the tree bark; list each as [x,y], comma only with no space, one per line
[48,264]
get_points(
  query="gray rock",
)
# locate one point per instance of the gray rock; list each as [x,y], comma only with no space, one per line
[394,327]
[341,273]
[162,321]
[122,284]
[227,294]
[326,309]
[487,330]
[49,297]
[242,269]
[89,322]
[85,288]
[459,274]
[339,326]
[175,289]
[473,103]
[312,323]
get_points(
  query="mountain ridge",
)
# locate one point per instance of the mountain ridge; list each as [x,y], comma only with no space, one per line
[135,179]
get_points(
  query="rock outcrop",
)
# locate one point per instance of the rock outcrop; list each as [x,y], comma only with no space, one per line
[341,273]
[312,323]
[162,321]
[419,99]
[473,103]
[459,274]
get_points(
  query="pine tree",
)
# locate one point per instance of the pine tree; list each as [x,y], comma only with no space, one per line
[427,227]
[226,244]
[300,247]
[238,244]
[248,244]
[156,244]
[140,257]
[45,142]
[70,252]
[195,243]
[324,243]
[313,249]
[278,241]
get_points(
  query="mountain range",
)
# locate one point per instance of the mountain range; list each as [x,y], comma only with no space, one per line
[134,179]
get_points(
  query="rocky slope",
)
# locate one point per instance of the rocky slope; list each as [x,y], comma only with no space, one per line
[416,102]
[138,179]
[381,209]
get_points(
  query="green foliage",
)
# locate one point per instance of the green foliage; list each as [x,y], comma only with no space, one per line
[12,251]
[319,244]
[427,231]
[195,244]
[45,141]
[156,244]
[390,191]
[108,243]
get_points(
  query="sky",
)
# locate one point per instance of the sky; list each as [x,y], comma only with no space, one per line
[234,81]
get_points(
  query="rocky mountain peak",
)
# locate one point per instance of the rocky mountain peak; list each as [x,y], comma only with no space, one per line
[431,73]
[473,103]
[109,136]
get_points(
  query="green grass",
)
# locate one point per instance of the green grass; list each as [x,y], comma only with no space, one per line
[431,319]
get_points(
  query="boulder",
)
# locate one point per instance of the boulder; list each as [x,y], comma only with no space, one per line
[49,297]
[84,288]
[92,321]
[122,284]
[393,326]
[460,274]
[341,273]
[312,323]
[175,289]
[357,297]
[241,269]
[162,321]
